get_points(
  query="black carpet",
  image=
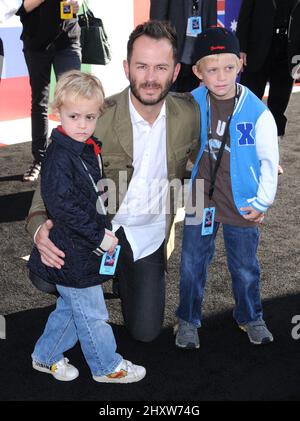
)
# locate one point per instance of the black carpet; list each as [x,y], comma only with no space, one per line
[227,366]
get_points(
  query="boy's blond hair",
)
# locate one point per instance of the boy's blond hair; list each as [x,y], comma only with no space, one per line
[77,84]
[200,62]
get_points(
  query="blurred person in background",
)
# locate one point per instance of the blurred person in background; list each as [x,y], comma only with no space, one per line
[269,35]
[189,17]
[49,38]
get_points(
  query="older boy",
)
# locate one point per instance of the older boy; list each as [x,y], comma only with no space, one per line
[238,161]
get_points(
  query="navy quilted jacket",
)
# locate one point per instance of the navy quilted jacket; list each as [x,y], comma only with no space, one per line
[70,200]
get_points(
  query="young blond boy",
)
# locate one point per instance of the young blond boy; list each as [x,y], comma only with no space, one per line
[69,186]
[238,161]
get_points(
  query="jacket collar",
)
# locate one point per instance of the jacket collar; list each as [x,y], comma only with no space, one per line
[67,142]
[136,118]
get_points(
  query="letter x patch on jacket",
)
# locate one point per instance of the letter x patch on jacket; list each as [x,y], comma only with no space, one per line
[246,138]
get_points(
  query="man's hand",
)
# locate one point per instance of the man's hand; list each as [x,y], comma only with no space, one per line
[112,248]
[252,214]
[50,255]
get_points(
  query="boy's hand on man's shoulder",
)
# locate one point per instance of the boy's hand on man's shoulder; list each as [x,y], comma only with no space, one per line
[252,214]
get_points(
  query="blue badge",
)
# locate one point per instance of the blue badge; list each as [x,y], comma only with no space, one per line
[208,221]
[109,262]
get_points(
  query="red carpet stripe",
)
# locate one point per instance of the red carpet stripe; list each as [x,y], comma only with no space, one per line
[15,98]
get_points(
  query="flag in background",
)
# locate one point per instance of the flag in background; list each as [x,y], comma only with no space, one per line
[228,13]
[231,14]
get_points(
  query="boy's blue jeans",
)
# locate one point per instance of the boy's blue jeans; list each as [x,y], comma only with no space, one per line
[80,314]
[197,252]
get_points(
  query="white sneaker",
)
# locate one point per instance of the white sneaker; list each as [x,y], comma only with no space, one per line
[60,370]
[125,372]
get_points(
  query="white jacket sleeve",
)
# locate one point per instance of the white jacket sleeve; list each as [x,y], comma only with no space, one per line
[8,8]
[268,155]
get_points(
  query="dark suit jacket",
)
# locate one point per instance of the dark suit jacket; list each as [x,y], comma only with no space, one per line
[255,30]
[177,13]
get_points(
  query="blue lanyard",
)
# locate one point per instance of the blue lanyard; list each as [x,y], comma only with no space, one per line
[103,209]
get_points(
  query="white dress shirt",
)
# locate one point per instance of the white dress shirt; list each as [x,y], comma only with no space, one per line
[142,212]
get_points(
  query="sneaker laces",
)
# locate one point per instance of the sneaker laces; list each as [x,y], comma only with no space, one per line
[61,365]
[257,324]
[258,327]
[128,366]
[187,329]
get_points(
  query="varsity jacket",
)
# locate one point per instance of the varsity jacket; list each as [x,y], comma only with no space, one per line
[254,150]
[255,31]
[177,13]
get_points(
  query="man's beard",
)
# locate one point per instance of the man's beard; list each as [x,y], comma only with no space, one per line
[155,85]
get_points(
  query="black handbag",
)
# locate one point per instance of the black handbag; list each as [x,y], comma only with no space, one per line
[95,48]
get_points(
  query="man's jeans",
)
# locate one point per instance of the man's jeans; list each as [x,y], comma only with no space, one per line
[197,252]
[80,314]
